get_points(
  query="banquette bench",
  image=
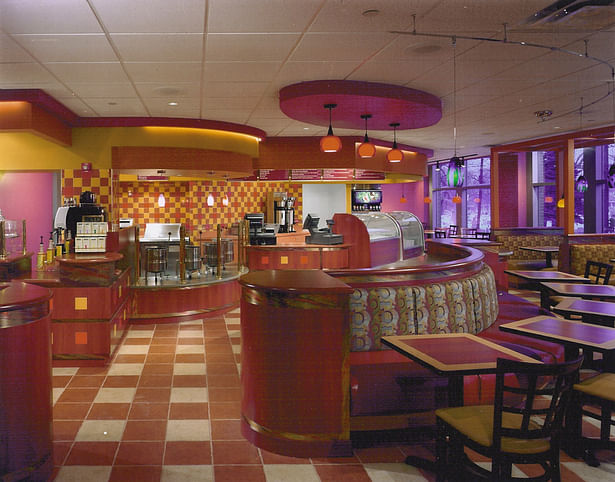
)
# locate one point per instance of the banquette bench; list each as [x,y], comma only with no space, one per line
[577,249]
[513,239]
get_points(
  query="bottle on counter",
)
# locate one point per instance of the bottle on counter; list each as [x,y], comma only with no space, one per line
[40,257]
[50,249]
[67,242]
[60,243]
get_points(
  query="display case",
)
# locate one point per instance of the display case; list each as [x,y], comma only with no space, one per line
[412,234]
[384,236]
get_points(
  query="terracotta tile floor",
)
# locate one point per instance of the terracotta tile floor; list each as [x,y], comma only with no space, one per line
[167,409]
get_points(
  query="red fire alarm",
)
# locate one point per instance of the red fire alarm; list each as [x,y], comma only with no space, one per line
[86,166]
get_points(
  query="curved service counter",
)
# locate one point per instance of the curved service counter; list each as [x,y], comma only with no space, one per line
[25,383]
[303,331]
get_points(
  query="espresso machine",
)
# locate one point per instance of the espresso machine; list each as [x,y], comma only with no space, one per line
[284,210]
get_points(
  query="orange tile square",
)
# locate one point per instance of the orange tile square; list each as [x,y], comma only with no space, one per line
[81,338]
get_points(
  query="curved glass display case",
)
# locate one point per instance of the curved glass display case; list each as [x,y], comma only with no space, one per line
[380,226]
[412,233]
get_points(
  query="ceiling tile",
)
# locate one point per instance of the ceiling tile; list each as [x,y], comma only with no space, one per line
[24,74]
[88,71]
[230,89]
[79,107]
[164,71]
[243,16]
[47,17]
[116,107]
[169,90]
[249,47]
[68,47]
[151,16]
[11,51]
[294,72]
[185,108]
[340,46]
[159,48]
[102,89]
[240,71]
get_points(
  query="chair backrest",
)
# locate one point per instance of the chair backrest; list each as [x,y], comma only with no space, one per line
[483,235]
[522,408]
[440,233]
[598,272]
[469,232]
[453,230]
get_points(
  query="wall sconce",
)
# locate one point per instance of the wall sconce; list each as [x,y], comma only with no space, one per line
[561,203]
[395,155]
[366,149]
[581,183]
[210,200]
[454,175]
[330,143]
[161,201]
[457,200]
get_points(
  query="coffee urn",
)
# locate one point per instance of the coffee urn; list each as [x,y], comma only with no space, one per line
[285,214]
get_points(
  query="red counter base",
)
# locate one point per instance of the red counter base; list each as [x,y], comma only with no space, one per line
[294,448]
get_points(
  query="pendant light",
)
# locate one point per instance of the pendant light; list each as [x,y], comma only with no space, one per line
[395,155]
[330,143]
[562,202]
[454,175]
[437,166]
[581,183]
[366,149]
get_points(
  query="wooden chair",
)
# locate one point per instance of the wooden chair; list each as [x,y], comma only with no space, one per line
[522,426]
[468,232]
[597,391]
[483,235]
[453,230]
[599,273]
[439,233]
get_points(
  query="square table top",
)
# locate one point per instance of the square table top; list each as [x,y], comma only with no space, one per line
[453,353]
[581,290]
[583,335]
[541,249]
[579,306]
[542,275]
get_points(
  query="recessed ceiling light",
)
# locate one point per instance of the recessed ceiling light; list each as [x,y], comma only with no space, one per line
[556,127]
[111,103]
[173,103]
[306,128]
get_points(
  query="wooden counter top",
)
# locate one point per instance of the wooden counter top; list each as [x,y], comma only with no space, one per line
[299,246]
[22,303]
[89,258]
[300,280]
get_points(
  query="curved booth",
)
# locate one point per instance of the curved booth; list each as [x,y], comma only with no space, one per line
[25,382]
[313,365]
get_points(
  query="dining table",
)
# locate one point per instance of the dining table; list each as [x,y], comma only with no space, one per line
[589,311]
[578,290]
[451,355]
[574,335]
[546,250]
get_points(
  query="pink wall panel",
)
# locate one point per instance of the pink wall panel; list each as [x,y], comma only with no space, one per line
[29,196]
[412,191]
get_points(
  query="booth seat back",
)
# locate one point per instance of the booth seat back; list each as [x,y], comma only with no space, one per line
[513,242]
[467,305]
[581,253]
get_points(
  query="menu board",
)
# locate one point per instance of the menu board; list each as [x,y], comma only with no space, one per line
[306,174]
[365,174]
[338,174]
[273,174]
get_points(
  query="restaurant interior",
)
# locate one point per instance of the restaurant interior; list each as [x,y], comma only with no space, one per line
[194,192]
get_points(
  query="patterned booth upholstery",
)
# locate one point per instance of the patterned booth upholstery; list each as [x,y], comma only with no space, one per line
[513,242]
[581,253]
[466,305]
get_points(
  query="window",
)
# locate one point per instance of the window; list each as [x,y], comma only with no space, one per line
[544,195]
[474,211]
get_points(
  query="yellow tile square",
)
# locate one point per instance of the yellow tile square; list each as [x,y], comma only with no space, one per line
[283,259]
[81,303]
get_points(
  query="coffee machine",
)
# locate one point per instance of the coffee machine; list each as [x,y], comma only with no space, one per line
[285,214]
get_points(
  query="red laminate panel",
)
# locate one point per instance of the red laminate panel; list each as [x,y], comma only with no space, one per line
[304,281]
[584,332]
[335,259]
[25,398]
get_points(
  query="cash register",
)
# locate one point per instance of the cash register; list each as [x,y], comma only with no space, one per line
[320,236]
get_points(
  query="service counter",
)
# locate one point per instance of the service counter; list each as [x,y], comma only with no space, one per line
[25,382]
[302,329]
[297,256]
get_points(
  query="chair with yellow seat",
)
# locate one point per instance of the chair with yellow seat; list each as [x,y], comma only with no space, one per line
[597,391]
[523,426]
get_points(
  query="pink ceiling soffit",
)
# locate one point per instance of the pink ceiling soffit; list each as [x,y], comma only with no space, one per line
[387,104]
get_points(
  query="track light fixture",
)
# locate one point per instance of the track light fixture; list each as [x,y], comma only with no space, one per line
[330,143]
[366,149]
[395,155]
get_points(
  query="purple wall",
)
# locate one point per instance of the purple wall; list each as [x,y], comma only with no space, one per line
[29,196]
[412,191]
